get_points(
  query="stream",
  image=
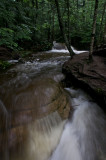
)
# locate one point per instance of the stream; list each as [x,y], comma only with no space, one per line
[33,124]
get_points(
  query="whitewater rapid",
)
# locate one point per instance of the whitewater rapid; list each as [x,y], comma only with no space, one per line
[84,136]
[66,51]
[81,137]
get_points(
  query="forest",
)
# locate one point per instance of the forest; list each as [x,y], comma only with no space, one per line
[52,79]
[34,24]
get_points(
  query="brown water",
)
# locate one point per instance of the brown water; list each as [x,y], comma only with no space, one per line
[31,126]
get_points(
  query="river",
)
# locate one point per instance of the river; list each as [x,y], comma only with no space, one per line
[31,131]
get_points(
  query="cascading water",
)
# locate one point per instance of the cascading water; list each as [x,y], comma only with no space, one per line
[84,135]
[66,51]
[44,135]
[60,47]
[28,137]
[82,138]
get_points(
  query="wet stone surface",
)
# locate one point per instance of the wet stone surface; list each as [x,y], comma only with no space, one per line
[30,92]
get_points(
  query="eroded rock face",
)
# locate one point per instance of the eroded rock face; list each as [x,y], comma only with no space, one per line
[36,101]
[89,76]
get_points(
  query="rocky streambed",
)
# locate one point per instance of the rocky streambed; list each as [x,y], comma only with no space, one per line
[33,107]
[35,119]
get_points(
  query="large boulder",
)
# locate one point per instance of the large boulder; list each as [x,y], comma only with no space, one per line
[27,105]
[38,100]
[89,76]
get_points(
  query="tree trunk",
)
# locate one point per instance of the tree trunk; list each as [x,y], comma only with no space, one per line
[63,30]
[33,3]
[68,19]
[93,30]
[36,3]
[100,33]
[50,22]
[84,11]
[77,5]
[104,35]
[52,26]
[35,16]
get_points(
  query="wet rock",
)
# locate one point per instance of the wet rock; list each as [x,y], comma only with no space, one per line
[36,101]
[59,45]
[89,76]
[100,52]
[21,60]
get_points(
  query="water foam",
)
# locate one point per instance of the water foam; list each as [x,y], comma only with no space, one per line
[58,51]
[44,136]
[84,136]
[66,51]
[76,51]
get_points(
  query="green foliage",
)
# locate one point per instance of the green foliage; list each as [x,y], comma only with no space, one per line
[15,26]
[25,54]
[4,65]
[22,33]
[42,46]
[7,38]
[36,22]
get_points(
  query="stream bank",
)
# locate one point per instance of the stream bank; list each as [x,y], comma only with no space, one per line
[89,76]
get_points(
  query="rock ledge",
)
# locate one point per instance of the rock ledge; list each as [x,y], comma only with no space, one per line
[89,76]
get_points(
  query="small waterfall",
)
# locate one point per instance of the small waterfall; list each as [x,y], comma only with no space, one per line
[44,135]
[84,136]
[60,47]
[78,52]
